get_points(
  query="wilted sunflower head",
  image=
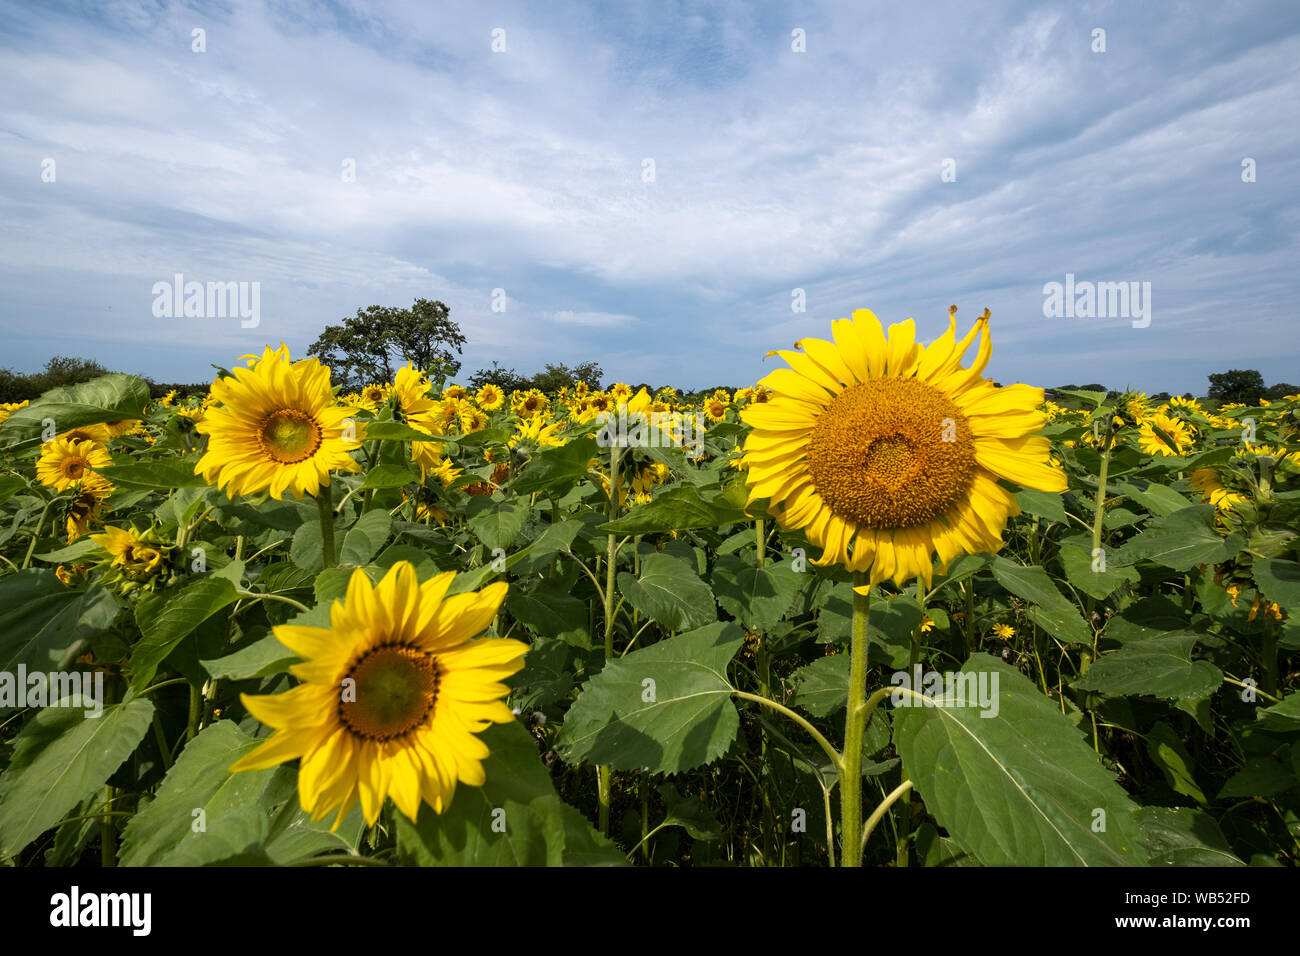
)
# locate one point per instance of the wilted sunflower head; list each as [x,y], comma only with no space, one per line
[394,693]
[886,452]
[277,429]
[86,505]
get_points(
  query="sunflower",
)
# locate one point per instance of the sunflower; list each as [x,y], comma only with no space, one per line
[394,693]
[65,462]
[8,408]
[531,402]
[715,409]
[277,429]
[886,452]
[472,420]
[1212,489]
[1004,631]
[1162,434]
[372,396]
[454,391]
[620,392]
[135,555]
[490,398]
[87,505]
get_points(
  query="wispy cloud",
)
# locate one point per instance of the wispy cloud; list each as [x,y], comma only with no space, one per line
[648,186]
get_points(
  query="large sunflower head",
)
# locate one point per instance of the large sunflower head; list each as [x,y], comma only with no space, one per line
[64,462]
[887,452]
[394,692]
[490,397]
[277,429]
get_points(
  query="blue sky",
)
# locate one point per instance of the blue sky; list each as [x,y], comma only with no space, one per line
[775,170]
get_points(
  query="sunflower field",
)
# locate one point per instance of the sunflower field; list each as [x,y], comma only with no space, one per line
[876,610]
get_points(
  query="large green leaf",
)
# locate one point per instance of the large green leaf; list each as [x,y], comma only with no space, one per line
[1019,788]
[1049,608]
[822,687]
[670,592]
[498,523]
[678,508]
[1044,504]
[758,597]
[364,539]
[43,623]
[553,469]
[1279,580]
[514,819]
[251,816]
[60,758]
[158,473]
[1086,574]
[1159,666]
[1181,836]
[258,659]
[390,476]
[166,619]
[665,708]
[109,398]
[1180,540]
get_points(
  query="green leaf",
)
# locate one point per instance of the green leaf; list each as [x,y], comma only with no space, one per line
[822,687]
[691,814]
[259,659]
[758,597]
[1088,398]
[666,708]
[1180,541]
[1279,581]
[553,469]
[390,476]
[1260,777]
[1156,498]
[60,758]
[669,591]
[43,623]
[678,508]
[1019,788]
[109,398]
[1076,559]
[1181,836]
[251,816]
[78,549]
[1049,608]
[554,539]
[158,473]
[514,819]
[1044,504]
[1283,718]
[498,523]
[166,618]
[1168,753]
[307,550]
[364,539]
[550,611]
[394,431]
[1160,666]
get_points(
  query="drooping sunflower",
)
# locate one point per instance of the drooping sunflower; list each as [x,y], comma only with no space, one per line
[87,505]
[277,429]
[136,555]
[65,462]
[886,452]
[1209,483]
[394,693]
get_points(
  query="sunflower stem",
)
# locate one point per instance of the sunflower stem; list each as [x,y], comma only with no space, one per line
[326,512]
[855,722]
[604,777]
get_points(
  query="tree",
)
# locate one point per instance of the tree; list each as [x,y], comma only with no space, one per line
[1237,385]
[373,344]
[1275,392]
[506,379]
[555,377]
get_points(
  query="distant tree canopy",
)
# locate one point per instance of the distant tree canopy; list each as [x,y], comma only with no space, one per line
[62,371]
[551,379]
[372,345]
[1237,385]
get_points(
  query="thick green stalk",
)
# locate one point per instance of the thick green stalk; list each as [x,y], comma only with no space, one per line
[855,722]
[326,512]
[604,777]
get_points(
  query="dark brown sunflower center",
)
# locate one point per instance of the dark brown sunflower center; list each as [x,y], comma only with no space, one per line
[74,467]
[891,453]
[289,436]
[393,688]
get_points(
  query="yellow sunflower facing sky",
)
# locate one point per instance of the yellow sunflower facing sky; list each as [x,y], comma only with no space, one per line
[887,452]
[394,693]
[277,428]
